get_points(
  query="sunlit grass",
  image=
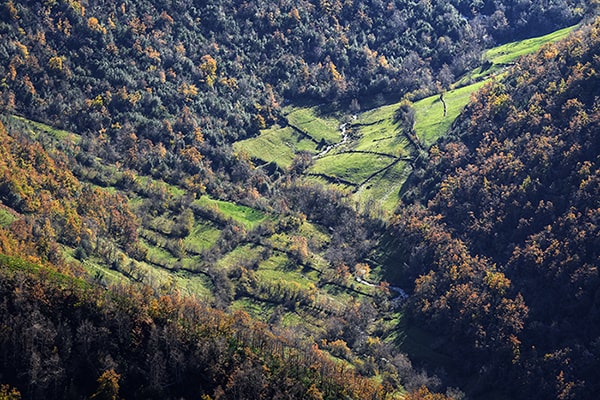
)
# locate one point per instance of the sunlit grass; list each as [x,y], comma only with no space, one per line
[202,237]
[278,145]
[38,127]
[498,57]
[318,127]
[6,218]
[352,167]
[382,192]
[247,216]
[430,122]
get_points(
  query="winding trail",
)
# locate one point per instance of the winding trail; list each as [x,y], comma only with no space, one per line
[402,295]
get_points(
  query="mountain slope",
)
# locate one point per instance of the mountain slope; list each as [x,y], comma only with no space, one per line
[512,211]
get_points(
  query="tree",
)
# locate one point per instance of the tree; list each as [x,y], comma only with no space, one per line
[9,393]
[405,116]
[424,394]
[108,386]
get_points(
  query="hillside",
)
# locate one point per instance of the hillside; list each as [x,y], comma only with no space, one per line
[92,292]
[196,200]
[370,154]
[504,256]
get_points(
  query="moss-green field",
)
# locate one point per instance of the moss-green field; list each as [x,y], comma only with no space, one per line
[353,167]
[315,125]
[204,235]
[248,217]
[499,56]
[509,52]
[6,217]
[278,145]
[430,121]
[37,127]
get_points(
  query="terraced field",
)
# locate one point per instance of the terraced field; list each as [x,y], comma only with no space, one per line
[246,216]
[278,145]
[368,154]
[431,122]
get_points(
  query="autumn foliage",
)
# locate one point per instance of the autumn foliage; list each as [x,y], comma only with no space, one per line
[505,255]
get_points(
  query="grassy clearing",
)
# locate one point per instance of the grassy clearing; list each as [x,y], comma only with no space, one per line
[257,309]
[159,256]
[352,167]
[248,217]
[240,255]
[507,53]
[281,144]
[380,138]
[277,269]
[382,191]
[278,145]
[203,236]
[6,217]
[96,267]
[191,284]
[377,115]
[38,127]
[314,234]
[146,181]
[318,127]
[312,179]
[430,122]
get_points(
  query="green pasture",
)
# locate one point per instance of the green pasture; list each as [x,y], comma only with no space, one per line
[316,126]
[376,115]
[6,218]
[353,167]
[383,190]
[258,309]
[173,190]
[248,217]
[159,256]
[507,53]
[314,179]
[382,137]
[430,122]
[37,127]
[240,255]
[314,233]
[278,145]
[202,237]
[277,269]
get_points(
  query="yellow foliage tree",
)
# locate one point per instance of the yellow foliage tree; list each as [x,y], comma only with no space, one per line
[56,63]
[209,69]
[108,386]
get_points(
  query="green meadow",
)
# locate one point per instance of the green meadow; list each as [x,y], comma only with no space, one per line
[278,145]
[498,57]
[430,121]
[6,217]
[248,217]
[352,167]
[310,122]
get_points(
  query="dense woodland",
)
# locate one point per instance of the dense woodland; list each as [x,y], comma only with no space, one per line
[495,241]
[506,210]
[142,78]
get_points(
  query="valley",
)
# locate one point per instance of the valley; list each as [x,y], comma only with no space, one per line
[368,153]
[183,216]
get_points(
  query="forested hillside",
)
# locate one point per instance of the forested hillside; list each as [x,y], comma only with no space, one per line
[502,241]
[137,77]
[151,246]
